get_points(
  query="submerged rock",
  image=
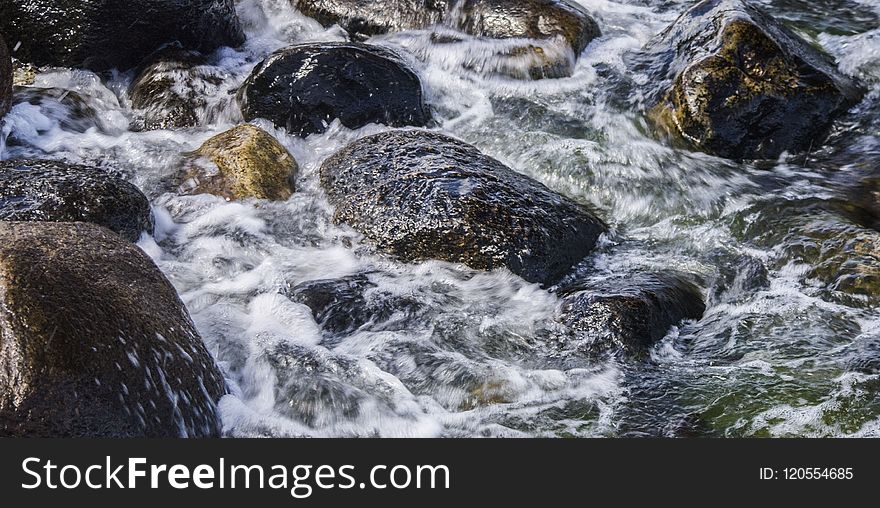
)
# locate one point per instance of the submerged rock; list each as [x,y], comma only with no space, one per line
[365,18]
[628,314]
[72,111]
[305,87]
[168,91]
[346,304]
[421,195]
[96,342]
[741,85]
[249,163]
[106,34]
[44,190]
[5,78]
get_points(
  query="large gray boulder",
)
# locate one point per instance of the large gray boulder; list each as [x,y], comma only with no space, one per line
[94,341]
[421,195]
[106,34]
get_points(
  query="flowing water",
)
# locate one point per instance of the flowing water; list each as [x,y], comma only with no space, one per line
[783,273]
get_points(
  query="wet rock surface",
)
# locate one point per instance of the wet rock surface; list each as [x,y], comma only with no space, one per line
[347,304]
[305,87]
[365,18]
[247,162]
[95,342]
[73,111]
[420,195]
[628,314]
[106,34]
[35,190]
[742,85]
[169,91]
[6,75]
[528,19]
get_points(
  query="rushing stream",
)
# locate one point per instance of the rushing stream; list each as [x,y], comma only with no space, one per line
[456,352]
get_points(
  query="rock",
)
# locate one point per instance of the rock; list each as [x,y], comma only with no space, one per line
[72,110]
[527,19]
[421,195]
[365,18]
[96,342]
[5,79]
[863,203]
[496,19]
[740,85]
[344,305]
[106,34]
[305,87]
[169,92]
[628,314]
[43,190]
[249,163]
[23,73]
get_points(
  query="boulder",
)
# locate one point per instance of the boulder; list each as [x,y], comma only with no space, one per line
[305,87]
[168,92]
[496,19]
[95,341]
[627,315]
[53,191]
[106,34]
[365,18]
[6,74]
[23,73]
[527,19]
[245,162]
[740,85]
[422,195]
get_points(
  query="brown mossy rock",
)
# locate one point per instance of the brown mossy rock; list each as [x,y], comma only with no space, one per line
[94,341]
[250,163]
[422,195]
[54,191]
[166,94]
[627,315]
[305,87]
[740,85]
[527,19]
[6,74]
[106,34]
[365,18]
[23,73]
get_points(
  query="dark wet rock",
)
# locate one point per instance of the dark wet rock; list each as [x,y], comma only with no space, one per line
[72,110]
[863,203]
[528,19]
[628,314]
[168,92]
[741,85]
[35,190]
[305,87]
[365,18]
[347,304]
[106,34]
[6,76]
[421,195]
[246,162]
[95,341]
